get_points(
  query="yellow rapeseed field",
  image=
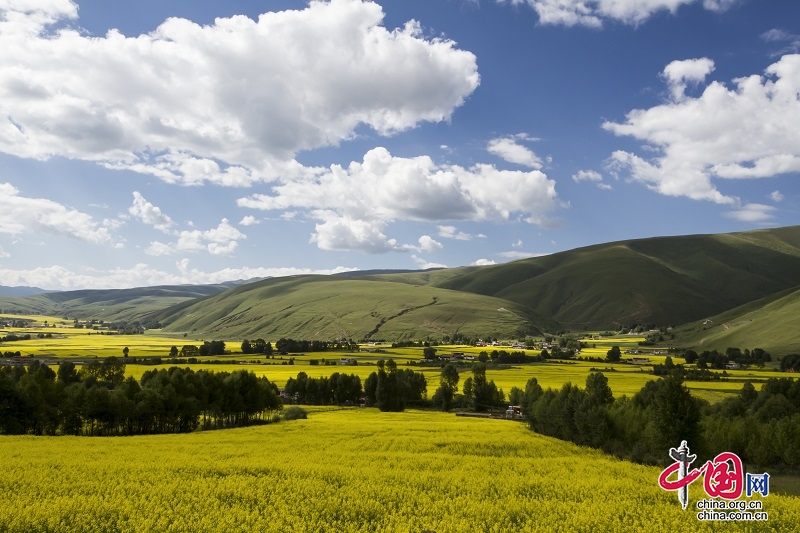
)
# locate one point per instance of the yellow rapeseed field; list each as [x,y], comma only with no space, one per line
[342,471]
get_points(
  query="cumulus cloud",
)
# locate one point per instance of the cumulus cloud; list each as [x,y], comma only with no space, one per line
[157,248]
[356,203]
[267,88]
[451,232]
[344,233]
[747,131]
[249,220]
[425,264]
[20,214]
[680,74]
[149,213]
[591,176]
[484,262]
[429,244]
[776,196]
[593,13]
[509,149]
[222,240]
[752,213]
[57,277]
[3,253]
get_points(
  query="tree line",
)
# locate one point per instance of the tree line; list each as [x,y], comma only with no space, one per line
[763,428]
[100,400]
[284,345]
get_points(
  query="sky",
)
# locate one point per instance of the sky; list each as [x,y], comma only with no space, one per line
[198,141]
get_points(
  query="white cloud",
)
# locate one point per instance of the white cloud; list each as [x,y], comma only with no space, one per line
[451,232]
[221,240]
[19,214]
[591,176]
[752,213]
[791,41]
[229,103]
[157,248]
[425,264]
[515,254]
[776,196]
[593,13]
[249,220]
[344,233]
[429,244]
[509,149]
[356,203]
[745,132]
[679,74]
[3,253]
[57,277]
[517,244]
[484,262]
[149,213]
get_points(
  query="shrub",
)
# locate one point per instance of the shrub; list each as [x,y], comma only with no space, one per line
[295,413]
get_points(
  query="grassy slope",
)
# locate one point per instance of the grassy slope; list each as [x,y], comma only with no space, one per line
[666,280]
[320,307]
[769,323]
[109,305]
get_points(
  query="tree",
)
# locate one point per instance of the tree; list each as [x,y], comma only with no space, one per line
[173,352]
[448,385]
[598,390]
[675,414]
[613,355]
[125,352]
[429,352]
[485,394]
[246,347]
[67,373]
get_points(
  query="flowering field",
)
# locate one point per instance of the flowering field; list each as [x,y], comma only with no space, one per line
[342,470]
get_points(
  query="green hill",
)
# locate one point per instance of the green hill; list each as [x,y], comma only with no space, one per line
[111,305]
[330,307]
[769,323]
[659,281]
[664,280]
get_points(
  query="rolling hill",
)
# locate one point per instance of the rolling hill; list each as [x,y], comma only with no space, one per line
[658,281]
[330,307]
[664,280]
[111,305]
[769,323]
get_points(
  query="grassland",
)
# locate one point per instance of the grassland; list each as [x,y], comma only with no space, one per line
[325,307]
[352,470]
[110,305]
[769,323]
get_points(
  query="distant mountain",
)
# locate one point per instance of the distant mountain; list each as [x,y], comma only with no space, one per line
[111,304]
[16,292]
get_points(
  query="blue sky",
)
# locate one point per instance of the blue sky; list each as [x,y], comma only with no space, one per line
[204,141]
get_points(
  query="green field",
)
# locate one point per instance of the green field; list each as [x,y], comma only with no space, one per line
[343,470]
